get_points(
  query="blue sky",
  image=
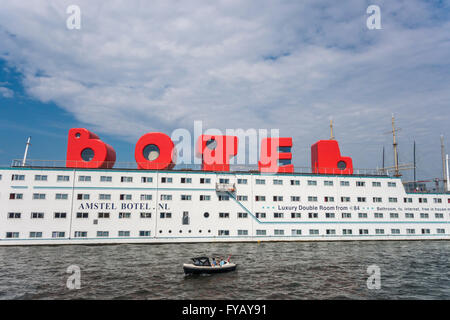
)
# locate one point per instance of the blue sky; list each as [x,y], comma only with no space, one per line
[140,66]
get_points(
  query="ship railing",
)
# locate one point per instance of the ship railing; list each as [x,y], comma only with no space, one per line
[30,163]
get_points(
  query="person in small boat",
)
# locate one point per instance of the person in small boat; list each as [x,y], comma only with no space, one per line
[222,262]
[214,263]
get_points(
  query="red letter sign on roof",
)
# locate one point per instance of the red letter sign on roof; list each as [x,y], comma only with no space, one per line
[216,151]
[155,151]
[326,158]
[270,154]
[86,150]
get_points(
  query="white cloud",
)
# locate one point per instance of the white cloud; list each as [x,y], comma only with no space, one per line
[138,66]
[6,92]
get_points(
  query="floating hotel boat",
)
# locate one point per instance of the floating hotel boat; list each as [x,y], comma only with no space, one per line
[89,200]
[202,265]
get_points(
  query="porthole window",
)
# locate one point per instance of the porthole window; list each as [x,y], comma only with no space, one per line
[170,231]
[160,231]
[151,152]
[199,231]
[87,154]
[342,165]
[206,214]
[209,231]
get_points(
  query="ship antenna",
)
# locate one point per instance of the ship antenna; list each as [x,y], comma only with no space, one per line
[415,176]
[26,152]
[395,144]
[331,129]
[444,174]
[448,177]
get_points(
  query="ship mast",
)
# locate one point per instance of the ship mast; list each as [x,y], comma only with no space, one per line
[448,177]
[397,167]
[444,174]
[331,129]
[26,152]
[397,171]
[415,167]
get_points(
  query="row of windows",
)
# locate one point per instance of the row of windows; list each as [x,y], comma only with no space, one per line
[38,177]
[297,232]
[332,215]
[184,197]
[63,215]
[240,215]
[77,234]
[327,183]
[276,232]
[84,178]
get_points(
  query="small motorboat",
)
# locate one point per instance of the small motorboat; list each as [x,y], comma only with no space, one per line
[202,265]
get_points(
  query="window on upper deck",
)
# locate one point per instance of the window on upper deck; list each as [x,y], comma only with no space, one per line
[40,177]
[105,179]
[103,196]
[17,177]
[146,197]
[62,178]
[392,184]
[16,196]
[125,197]
[242,181]
[83,196]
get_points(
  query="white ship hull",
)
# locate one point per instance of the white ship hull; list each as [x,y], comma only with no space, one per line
[56,206]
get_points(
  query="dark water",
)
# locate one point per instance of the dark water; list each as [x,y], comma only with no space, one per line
[312,270]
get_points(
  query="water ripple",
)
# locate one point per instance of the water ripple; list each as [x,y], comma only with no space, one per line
[311,270]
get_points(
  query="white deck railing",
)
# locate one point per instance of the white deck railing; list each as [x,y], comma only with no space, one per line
[195,167]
